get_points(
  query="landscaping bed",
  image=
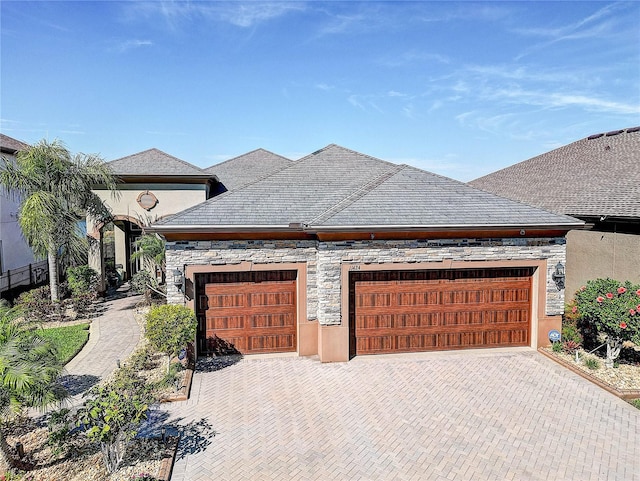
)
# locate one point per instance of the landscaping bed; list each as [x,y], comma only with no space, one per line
[83,461]
[622,380]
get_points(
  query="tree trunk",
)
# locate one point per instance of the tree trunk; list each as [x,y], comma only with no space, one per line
[52,257]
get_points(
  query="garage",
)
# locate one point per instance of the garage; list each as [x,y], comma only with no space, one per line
[428,310]
[247,312]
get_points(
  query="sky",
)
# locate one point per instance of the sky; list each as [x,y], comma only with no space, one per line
[461,89]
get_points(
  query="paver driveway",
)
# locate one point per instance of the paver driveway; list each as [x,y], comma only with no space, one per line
[488,415]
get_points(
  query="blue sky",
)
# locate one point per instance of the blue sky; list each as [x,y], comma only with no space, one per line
[458,88]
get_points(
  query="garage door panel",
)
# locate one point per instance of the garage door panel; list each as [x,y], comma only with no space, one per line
[413,311]
[257,314]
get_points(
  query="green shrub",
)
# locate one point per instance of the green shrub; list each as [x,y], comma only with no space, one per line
[59,427]
[610,307]
[82,280]
[36,305]
[169,328]
[556,347]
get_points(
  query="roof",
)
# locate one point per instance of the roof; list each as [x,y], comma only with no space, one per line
[598,176]
[154,162]
[337,188]
[11,145]
[247,168]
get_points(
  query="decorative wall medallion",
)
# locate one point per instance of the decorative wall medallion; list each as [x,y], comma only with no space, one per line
[147,200]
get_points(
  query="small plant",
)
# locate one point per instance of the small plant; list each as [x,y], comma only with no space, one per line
[592,363]
[142,477]
[635,403]
[570,347]
[556,347]
[141,282]
[60,428]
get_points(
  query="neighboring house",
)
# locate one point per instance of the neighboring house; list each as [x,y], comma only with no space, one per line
[152,185]
[596,179]
[341,254]
[247,168]
[18,266]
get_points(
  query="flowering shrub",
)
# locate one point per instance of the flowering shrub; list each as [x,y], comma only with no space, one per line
[609,307]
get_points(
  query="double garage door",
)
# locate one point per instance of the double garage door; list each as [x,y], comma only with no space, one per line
[389,311]
[410,311]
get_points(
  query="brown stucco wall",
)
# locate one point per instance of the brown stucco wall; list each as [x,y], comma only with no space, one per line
[593,254]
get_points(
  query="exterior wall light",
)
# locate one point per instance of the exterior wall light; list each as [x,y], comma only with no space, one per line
[178,280]
[558,276]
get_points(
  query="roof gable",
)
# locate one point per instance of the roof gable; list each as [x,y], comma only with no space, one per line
[337,187]
[593,177]
[154,162]
[247,168]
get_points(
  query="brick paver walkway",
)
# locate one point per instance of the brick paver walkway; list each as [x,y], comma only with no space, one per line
[113,335]
[489,415]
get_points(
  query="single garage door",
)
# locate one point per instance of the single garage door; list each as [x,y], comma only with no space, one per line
[407,311]
[250,312]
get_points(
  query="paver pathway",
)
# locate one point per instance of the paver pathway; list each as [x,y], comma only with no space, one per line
[113,335]
[489,415]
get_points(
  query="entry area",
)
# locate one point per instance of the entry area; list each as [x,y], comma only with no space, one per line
[246,312]
[429,310]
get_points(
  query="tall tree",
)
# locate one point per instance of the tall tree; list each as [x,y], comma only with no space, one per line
[29,370]
[55,189]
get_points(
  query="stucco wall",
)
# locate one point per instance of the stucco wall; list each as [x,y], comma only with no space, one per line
[592,254]
[325,259]
[172,198]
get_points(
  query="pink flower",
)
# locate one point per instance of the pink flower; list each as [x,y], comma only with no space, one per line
[599,298]
[621,290]
[638,292]
[609,295]
[638,307]
[583,288]
[574,309]
[623,325]
[632,312]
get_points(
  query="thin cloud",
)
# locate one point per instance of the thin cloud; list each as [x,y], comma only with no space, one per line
[133,44]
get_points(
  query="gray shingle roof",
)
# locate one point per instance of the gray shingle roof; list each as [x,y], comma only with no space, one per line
[11,145]
[154,162]
[593,177]
[339,187]
[247,168]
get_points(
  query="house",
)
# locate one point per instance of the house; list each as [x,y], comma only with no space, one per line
[19,268]
[153,185]
[341,254]
[596,179]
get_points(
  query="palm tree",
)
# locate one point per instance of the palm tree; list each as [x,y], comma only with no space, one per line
[29,371]
[150,248]
[55,188]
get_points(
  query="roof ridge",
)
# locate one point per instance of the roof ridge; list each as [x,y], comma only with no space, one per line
[248,153]
[357,194]
[325,148]
[184,162]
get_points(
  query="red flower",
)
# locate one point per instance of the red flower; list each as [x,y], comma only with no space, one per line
[623,325]
[638,292]
[638,307]
[621,290]
[574,309]
[599,298]
[609,295]
[632,312]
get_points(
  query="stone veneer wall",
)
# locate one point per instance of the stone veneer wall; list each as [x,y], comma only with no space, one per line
[324,261]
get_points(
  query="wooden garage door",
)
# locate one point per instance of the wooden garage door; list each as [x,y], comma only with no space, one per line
[436,310]
[252,312]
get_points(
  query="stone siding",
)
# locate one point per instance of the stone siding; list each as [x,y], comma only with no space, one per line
[324,260]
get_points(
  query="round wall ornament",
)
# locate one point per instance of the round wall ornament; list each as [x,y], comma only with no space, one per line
[147,200]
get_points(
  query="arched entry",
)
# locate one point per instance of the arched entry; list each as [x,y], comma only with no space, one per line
[117,244]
